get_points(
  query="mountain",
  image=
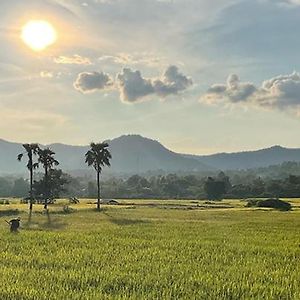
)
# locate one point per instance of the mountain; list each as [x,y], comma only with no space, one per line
[136,154]
[131,154]
[250,159]
[8,157]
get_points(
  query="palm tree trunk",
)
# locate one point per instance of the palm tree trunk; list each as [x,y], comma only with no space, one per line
[98,188]
[31,191]
[46,189]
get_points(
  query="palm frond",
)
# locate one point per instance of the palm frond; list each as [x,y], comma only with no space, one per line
[97,156]
[35,166]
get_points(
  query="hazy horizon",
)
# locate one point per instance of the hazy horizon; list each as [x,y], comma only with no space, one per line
[151,138]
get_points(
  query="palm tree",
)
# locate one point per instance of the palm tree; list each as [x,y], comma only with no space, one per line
[98,156]
[47,160]
[31,150]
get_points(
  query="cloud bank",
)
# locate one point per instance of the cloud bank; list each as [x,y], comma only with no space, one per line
[281,92]
[132,86]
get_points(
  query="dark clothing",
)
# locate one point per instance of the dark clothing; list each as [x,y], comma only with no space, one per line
[14,225]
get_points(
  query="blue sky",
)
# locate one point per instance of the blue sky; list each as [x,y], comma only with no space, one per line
[199,76]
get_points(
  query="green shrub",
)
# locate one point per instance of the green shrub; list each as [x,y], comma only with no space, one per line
[275,203]
[4,201]
[270,203]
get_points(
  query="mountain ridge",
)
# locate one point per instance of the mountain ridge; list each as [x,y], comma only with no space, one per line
[131,154]
[137,154]
[265,157]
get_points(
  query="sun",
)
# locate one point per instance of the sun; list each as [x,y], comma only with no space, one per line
[38,34]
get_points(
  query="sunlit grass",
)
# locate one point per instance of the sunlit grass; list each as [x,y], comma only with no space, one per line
[145,251]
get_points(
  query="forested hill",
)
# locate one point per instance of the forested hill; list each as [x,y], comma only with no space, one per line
[250,159]
[131,154]
[134,154]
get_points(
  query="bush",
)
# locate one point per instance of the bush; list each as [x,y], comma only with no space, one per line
[275,203]
[270,203]
[4,201]
[68,210]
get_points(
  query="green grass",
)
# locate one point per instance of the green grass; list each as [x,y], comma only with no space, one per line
[151,250]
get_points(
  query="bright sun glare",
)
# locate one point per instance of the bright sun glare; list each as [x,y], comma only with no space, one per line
[38,35]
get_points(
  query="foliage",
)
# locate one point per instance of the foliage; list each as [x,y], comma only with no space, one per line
[56,182]
[215,189]
[91,190]
[169,186]
[31,150]
[98,156]
[20,187]
[6,185]
[4,202]
[275,203]
[47,160]
[269,203]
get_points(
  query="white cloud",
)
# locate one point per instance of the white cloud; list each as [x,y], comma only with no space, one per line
[46,74]
[72,60]
[88,82]
[131,84]
[142,59]
[281,92]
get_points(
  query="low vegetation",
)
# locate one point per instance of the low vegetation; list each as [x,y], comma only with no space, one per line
[175,186]
[147,250]
[270,203]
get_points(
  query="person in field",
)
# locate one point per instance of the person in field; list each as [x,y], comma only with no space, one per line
[14,224]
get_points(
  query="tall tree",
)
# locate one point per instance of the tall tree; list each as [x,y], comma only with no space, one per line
[214,189]
[98,156]
[31,150]
[57,181]
[47,160]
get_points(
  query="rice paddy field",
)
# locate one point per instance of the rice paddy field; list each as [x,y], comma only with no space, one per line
[149,249]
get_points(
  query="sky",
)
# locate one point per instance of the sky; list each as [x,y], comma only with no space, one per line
[199,76]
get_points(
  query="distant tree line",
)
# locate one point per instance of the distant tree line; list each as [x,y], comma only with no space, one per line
[13,187]
[170,186]
[193,187]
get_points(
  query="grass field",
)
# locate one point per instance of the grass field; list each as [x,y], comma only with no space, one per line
[151,250]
